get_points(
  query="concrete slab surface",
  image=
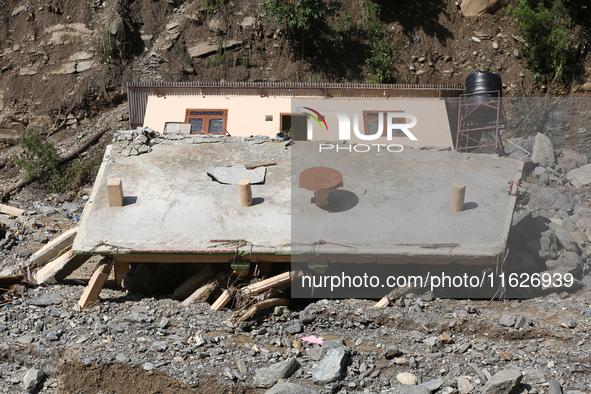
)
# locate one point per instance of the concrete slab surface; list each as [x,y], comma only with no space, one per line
[394,204]
[399,203]
[172,205]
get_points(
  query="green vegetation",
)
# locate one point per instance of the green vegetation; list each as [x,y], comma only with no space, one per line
[309,22]
[213,5]
[107,47]
[380,64]
[41,162]
[554,41]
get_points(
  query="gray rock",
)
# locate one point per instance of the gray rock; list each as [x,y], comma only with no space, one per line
[391,352]
[160,346]
[330,368]
[570,225]
[410,389]
[546,198]
[289,388]
[539,171]
[332,344]
[507,321]
[503,382]
[544,179]
[478,372]
[568,262]
[432,344]
[580,177]
[46,300]
[25,339]
[554,387]
[47,210]
[295,328]
[434,384]
[306,316]
[543,150]
[122,358]
[464,385]
[567,241]
[571,160]
[520,321]
[33,378]
[267,377]
[587,281]
[148,366]
[71,207]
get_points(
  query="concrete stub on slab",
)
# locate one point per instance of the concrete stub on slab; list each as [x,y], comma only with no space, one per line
[115,191]
[458,192]
[244,193]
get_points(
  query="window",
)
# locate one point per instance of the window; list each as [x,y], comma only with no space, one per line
[371,122]
[207,121]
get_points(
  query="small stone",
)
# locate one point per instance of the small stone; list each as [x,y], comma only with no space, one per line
[568,323]
[407,378]
[433,385]
[554,387]
[464,385]
[122,358]
[160,346]
[506,355]
[507,321]
[433,344]
[295,328]
[391,352]
[289,388]
[520,321]
[148,366]
[445,338]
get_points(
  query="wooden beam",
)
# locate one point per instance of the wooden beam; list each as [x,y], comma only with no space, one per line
[221,302]
[194,282]
[202,293]
[263,305]
[197,258]
[12,211]
[97,281]
[121,268]
[517,180]
[261,164]
[382,303]
[53,248]
[58,269]
[267,283]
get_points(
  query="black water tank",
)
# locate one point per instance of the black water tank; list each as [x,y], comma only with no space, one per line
[481,82]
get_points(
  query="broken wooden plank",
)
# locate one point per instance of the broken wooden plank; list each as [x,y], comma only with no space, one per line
[202,293]
[267,283]
[121,268]
[263,305]
[58,269]
[194,282]
[382,303]
[221,302]
[53,248]
[517,180]
[97,281]
[261,164]
[12,211]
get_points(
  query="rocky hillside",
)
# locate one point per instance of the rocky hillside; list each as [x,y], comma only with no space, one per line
[62,62]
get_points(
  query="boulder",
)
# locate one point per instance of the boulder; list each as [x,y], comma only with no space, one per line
[543,151]
[503,382]
[330,368]
[580,177]
[267,377]
[568,262]
[479,7]
[570,160]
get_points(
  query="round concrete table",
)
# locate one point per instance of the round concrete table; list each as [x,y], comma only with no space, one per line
[321,180]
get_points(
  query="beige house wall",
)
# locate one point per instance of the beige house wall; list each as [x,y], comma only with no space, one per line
[246,115]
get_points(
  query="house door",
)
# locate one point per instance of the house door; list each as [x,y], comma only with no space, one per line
[295,125]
